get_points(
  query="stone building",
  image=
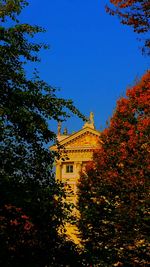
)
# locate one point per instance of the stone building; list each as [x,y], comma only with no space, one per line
[79,148]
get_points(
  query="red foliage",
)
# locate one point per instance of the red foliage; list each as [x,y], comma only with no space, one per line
[126,141]
[135,13]
[16,228]
[14,216]
[113,191]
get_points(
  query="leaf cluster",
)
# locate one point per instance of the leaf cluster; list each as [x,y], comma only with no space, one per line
[135,13]
[27,108]
[114,190]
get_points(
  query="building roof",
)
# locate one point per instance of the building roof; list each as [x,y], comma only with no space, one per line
[86,138]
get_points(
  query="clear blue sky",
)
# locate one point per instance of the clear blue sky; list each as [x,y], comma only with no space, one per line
[92,59]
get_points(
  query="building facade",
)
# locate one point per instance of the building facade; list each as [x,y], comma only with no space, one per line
[77,150]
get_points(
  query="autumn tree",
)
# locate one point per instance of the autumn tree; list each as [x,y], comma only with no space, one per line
[114,189]
[135,13]
[28,191]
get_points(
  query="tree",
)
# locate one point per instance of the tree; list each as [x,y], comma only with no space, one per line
[114,189]
[135,13]
[28,105]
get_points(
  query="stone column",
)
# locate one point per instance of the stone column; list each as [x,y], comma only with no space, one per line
[79,167]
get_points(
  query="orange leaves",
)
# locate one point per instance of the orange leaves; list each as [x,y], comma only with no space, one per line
[143,125]
[123,3]
[123,156]
[134,13]
[113,191]
[125,141]
[139,94]
[122,105]
[131,132]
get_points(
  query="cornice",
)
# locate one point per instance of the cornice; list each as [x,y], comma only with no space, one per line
[75,136]
[81,149]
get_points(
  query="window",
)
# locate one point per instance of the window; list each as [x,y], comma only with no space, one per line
[69,168]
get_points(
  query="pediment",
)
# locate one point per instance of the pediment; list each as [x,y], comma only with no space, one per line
[85,138]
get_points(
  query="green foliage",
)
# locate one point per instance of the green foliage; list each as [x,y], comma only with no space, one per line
[114,190]
[11,8]
[27,181]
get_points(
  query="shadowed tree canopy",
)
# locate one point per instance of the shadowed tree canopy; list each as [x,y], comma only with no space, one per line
[114,200]
[31,206]
[135,13]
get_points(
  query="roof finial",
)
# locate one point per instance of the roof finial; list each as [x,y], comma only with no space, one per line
[90,122]
[65,131]
[91,118]
[59,128]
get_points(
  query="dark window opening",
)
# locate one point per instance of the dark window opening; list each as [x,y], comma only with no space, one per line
[69,168]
